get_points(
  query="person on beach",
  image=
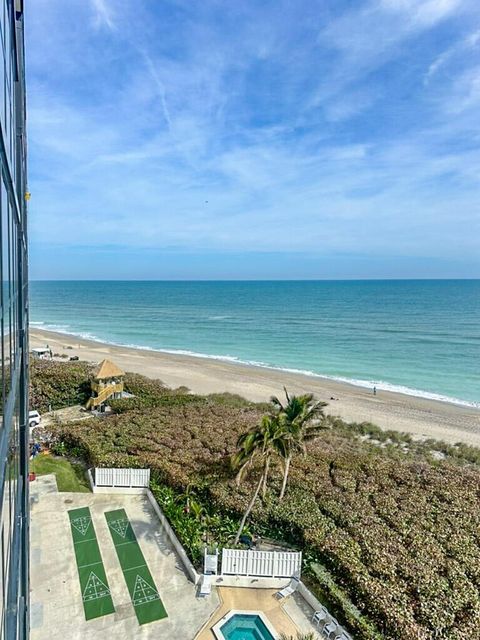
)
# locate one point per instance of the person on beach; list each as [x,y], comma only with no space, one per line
[374,391]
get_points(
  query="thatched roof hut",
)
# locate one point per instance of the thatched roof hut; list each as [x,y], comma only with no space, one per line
[107,369]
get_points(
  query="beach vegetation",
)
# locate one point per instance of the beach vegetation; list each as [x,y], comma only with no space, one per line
[55,385]
[236,402]
[196,521]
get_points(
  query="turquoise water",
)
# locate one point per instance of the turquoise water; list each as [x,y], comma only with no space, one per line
[419,337]
[245,627]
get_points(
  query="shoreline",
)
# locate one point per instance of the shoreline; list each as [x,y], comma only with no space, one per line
[419,416]
[381,385]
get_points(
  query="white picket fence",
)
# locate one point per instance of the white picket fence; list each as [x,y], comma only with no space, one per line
[116,478]
[271,564]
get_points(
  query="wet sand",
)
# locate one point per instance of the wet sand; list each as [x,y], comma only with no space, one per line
[420,417]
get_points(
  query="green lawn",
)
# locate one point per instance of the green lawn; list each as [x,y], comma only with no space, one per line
[70,475]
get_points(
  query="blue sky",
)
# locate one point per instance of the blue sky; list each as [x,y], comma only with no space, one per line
[274,139]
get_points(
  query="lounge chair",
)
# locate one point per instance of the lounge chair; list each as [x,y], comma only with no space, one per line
[332,629]
[289,589]
[205,586]
[321,615]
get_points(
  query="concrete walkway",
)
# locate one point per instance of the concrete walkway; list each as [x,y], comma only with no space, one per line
[56,601]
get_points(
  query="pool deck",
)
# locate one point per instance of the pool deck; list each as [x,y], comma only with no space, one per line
[288,616]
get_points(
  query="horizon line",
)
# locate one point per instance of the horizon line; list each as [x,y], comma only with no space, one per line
[433,279]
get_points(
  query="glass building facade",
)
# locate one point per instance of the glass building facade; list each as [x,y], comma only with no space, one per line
[14,584]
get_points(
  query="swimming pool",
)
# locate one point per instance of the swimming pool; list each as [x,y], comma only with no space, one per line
[244,625]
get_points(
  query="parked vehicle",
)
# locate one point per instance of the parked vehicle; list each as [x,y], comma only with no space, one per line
[73,358]
[34,419]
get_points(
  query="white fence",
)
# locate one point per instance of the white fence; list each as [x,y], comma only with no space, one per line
[121,480]
[271,564]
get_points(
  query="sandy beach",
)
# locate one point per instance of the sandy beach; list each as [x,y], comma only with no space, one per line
[420,417]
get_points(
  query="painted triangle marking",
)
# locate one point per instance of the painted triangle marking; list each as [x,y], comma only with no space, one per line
[120,526]
[82,524]
[143,592]
[95,588]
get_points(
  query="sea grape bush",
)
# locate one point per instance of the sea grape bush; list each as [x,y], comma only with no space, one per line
[146,392]
[58,384]
[321,583]
[398,534]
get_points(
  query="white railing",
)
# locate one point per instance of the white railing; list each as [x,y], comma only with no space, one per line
[271,564]
[116,478]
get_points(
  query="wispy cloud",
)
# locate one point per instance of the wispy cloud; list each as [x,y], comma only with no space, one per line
[466,45]
[160,86]
[283,128]
[422,13]
[103,14]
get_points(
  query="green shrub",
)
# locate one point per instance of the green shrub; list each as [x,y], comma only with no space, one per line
[144,387]
[194,519]
[338,602]
[58,384]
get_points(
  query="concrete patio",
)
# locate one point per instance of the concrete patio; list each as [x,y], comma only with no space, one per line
[56,600]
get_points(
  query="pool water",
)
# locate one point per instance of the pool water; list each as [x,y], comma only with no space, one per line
[244,626]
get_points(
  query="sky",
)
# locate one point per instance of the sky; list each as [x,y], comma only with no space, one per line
[210,139]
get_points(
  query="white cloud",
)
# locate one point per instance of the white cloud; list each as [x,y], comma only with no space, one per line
[422,13]
[103,14]
[369,34]
[465,92]
[471,41]
[160,86]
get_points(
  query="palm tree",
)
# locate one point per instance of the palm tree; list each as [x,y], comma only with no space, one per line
[265,440]
[248,445]
[302,418]
[247,512]
[275,442]
[268,438]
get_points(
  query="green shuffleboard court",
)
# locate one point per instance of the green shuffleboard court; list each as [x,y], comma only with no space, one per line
[143,592]
[96,597]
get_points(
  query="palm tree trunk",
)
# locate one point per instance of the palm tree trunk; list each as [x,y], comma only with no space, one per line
[247,512]
[265,476]
[238,477]
[285,476]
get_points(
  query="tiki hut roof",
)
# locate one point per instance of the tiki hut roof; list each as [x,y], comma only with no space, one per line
[107,369]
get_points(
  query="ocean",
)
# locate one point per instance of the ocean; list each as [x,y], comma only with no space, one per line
[416,337]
